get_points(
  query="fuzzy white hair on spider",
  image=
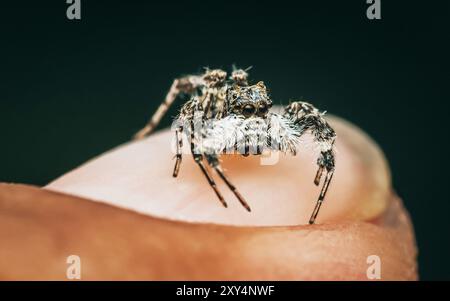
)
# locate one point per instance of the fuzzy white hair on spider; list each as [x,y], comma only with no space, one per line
[229,115]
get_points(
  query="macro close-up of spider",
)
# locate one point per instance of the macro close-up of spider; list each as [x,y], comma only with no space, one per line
[181,141]
[227,115]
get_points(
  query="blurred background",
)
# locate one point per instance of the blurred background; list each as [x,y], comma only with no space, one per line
[72,89]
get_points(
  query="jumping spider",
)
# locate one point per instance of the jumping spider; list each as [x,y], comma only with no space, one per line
[235,115]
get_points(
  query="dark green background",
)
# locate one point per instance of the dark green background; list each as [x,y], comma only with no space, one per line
[71,90]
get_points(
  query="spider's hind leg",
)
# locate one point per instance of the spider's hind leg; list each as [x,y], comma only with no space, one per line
[188,84]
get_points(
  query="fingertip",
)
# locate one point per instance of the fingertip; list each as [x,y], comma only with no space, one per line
[137,176]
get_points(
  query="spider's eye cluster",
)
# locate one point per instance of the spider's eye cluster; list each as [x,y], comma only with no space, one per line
[248,110]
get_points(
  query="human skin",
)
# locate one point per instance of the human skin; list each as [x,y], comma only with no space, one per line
[127,218]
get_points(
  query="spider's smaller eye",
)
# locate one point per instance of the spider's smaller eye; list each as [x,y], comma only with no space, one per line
[263,108]
[248,110]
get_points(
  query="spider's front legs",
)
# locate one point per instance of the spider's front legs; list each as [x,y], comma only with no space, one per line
[307,118]
[198,158]
[213,161]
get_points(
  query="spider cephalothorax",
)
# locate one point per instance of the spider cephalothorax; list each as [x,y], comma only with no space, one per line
[249,101]
[235,117]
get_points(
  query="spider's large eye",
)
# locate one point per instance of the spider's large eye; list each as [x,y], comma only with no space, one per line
[248,110]
[263,109]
